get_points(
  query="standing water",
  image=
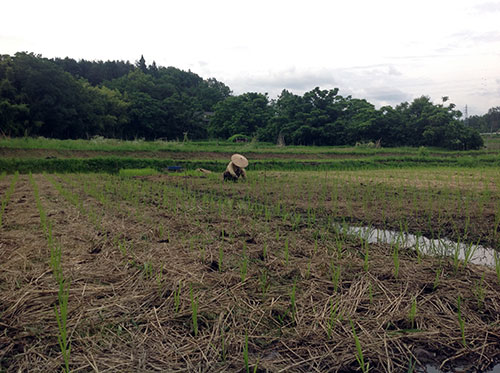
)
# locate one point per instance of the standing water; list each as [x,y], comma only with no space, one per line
[470,253]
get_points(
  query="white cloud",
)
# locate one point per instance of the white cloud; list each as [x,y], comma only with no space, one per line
[487,7]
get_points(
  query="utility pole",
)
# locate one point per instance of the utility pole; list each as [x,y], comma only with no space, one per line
[466,116]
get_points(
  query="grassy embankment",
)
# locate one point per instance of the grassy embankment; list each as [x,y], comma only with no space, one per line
[38,155]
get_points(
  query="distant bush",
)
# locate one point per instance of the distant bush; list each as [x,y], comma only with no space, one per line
[423,151]
[239,138]
[369,144]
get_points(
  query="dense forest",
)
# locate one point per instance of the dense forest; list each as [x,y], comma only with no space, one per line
[69,99]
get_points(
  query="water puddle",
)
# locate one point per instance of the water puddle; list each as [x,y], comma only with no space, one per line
[476,254]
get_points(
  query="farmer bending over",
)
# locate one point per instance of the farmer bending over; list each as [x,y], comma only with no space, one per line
[236,168]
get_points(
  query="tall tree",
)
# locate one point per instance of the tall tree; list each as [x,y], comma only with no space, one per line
[141,65]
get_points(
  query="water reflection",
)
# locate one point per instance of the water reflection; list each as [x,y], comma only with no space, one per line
[476,254]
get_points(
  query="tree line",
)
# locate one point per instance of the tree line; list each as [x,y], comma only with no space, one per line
[69,99]
[487,123]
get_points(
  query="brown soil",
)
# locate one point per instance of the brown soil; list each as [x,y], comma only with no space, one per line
[128,246]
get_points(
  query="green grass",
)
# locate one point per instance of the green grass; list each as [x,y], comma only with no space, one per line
[130,172]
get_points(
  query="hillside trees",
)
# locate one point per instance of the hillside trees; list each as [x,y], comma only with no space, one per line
[64,98]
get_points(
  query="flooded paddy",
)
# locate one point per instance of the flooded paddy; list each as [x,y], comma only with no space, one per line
[469,253]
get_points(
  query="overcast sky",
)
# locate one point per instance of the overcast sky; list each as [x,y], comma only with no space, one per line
[386,51]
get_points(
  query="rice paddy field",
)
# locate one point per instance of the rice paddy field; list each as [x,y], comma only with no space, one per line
[148,270]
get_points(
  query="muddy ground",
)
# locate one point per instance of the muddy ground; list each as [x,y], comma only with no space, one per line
[140,255]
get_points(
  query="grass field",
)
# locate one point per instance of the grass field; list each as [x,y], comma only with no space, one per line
[145,271]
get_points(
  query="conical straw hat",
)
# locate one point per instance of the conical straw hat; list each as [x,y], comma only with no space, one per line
[239,160]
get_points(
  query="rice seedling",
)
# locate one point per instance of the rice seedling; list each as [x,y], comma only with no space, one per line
[308,269]
[55,259]
[159,276]
[123,247]
[395,259]
[335,275]
[333,315]
[339,241]
[411,365]
[359,352]
[264,281]
[177,297]
[439,271]
[61,312]
[469,251]
[245,353]
[366,258]
[315,247]
[202,253]
[147,270]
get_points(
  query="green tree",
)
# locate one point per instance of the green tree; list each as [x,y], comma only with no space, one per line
[244,114]
[14,112]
